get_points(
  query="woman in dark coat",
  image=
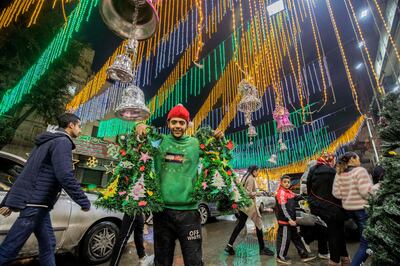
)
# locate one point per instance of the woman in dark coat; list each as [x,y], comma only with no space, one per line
[327,207]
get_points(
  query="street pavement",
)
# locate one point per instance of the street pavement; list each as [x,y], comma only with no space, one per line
[215,236]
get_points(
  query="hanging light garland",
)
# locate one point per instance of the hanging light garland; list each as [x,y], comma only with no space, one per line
[173,91]
[381,90]
[21,7]
[343,54]
[388,31]
[57,46]
[199,34]
[299,167]
[321,68]
[302,147]
[114,127]
[160,51]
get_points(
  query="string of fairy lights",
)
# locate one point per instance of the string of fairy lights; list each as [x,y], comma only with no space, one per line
[20,7]
[57,46]
[257,49]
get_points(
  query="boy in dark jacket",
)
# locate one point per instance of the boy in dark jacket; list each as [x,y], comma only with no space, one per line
[48,170]
[286,216]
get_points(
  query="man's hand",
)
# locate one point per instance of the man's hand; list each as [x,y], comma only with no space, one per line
[292,223]
[218,134]
[141,130]
[5,211]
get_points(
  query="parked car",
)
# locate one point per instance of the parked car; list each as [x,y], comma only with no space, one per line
[207,211]
[90,235]
[265,201]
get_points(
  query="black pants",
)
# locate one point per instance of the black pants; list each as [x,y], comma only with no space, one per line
[318,233]
[334,218]
[287,233]
[170,225]
[239,227]
[336,240]
[129,224]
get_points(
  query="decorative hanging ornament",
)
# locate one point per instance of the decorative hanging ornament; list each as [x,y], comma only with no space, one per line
[121,69]
[117,15]
[247,118]
[251,133]
[281,116]
[132,46]
[250,100]
[133,107]
[273,159]
[282,144]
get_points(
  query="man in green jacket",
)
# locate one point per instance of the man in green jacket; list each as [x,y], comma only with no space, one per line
[176,165]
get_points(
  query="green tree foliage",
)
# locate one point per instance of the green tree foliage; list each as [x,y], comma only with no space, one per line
[47,98]
[383,225]
[21,46]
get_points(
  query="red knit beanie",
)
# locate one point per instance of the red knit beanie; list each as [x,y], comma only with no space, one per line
[179,111]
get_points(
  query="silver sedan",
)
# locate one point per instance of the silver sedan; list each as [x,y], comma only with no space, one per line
[90,235]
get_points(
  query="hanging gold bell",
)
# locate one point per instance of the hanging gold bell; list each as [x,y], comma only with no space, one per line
[121,69]
[118,16]
[133,107]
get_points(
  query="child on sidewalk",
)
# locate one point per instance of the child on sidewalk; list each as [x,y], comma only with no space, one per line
[286,216]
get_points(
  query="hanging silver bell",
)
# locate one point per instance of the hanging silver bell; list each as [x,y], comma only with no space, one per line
[250,100]
[251,133]
[118,16]
[121,69]
[249,104]
[133,107]
[283,146]
[273,159]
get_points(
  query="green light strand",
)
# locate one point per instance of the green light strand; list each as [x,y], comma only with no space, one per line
[114,127]
[244,155]
[57,46]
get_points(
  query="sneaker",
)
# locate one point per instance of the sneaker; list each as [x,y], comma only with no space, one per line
[307,257]
[229,249]
[306,246]
[146,260]
[324,256]
[285,261]
[267,252]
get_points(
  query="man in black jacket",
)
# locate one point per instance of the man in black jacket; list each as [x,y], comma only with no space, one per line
[48,170]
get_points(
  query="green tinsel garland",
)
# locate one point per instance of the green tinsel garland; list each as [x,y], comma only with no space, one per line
[133,188]
[218,181]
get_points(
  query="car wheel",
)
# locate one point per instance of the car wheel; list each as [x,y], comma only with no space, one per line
[204,213]
[98,243]
[261,207]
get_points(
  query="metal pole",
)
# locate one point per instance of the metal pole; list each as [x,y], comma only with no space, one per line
[372,139]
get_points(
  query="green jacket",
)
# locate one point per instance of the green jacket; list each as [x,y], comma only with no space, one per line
[176,164]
